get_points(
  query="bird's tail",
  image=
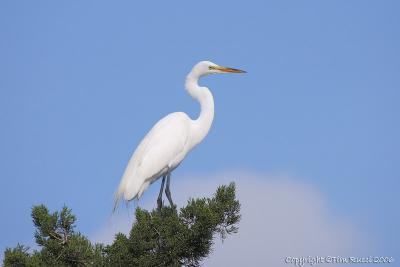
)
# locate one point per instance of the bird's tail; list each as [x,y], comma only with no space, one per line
[117,198]
[128,189]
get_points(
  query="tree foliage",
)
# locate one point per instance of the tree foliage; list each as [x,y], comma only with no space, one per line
[165,237]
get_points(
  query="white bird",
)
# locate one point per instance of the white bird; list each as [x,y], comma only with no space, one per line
[170,140]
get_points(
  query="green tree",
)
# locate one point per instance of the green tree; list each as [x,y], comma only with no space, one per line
[163,237]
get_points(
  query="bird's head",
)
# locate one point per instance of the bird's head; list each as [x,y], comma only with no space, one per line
[207,67]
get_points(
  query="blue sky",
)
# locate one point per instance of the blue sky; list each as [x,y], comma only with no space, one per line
[82,82]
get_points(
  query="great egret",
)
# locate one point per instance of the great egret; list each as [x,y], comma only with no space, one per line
[170,140]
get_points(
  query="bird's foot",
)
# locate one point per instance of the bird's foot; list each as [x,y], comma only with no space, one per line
[159,204]
[171,203]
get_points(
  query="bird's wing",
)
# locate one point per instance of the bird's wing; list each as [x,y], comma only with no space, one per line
[164,142]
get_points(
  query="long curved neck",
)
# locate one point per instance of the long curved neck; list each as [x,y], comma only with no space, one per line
[202,124]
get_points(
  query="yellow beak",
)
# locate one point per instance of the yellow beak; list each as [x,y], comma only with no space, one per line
[225,69]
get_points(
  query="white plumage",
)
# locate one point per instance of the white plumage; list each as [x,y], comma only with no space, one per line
[162,148]
[169,141]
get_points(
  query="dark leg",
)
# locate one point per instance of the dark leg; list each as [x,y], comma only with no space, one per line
[159,199]
[167,191]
